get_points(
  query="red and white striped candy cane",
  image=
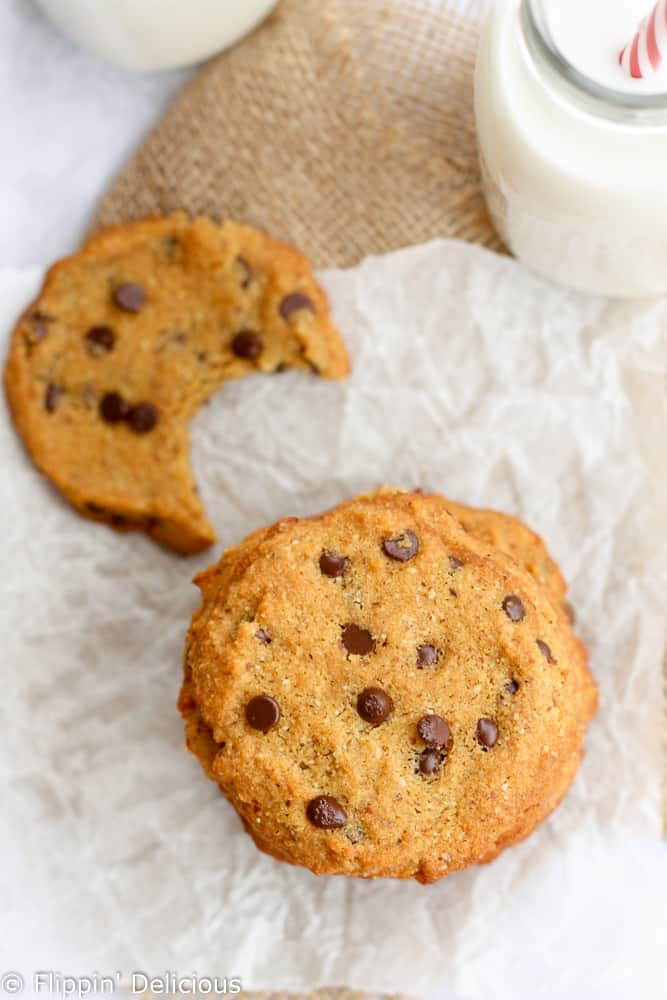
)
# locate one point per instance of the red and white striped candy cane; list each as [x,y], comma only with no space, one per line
[644,54]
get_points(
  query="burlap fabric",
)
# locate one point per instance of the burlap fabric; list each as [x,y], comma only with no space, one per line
[343,126]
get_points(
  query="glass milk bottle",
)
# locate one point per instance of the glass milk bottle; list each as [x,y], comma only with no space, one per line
[573,148]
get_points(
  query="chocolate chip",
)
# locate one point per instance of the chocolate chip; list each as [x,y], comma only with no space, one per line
[246,271]
[262,636]
[402,548]
[293,302]
[326,813]
[358,640]
[100,340]
[454,564]
[512,686]
[427,655]
[143,417]
[39,322]
[130,297]
[113,408]
[430,762]
[570,612]
[332,564]
[487,733]
[374,705]
[247,345]
[262,712]
[52,397]
[513,608]
[434,731]
[545,651]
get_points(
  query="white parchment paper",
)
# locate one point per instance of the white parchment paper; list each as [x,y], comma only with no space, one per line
[473,377]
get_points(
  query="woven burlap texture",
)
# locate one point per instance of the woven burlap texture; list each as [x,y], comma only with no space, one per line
[343,126]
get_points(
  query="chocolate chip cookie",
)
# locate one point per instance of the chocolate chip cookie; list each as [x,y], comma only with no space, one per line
[380,692]
[131,335]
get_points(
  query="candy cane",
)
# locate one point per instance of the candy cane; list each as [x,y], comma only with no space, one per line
[644,54]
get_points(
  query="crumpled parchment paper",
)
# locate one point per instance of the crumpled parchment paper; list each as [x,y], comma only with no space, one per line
[473,377]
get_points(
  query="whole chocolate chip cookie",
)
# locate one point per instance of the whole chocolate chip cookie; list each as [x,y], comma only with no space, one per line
[131,335]
[380,692]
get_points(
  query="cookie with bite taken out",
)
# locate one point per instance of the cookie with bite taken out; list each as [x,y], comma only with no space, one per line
[130,336]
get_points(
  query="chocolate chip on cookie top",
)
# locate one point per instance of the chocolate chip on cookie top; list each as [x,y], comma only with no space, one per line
[455,563]
[513,608]
[326,813]
[430,761]
[100,340]
[294,302]
[401,547]
[374,705]
[512,686]
[263,636]
[545,651]
[142,418]
[247,344]
[487,733]
[113,407]
[358,640]
[262,712]
[334,565]
[434,731]
[427,655]
[130,297]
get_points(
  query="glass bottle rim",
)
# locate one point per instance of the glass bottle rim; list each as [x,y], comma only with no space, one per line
[617,105]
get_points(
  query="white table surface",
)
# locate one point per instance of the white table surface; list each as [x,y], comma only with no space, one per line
[67,124]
